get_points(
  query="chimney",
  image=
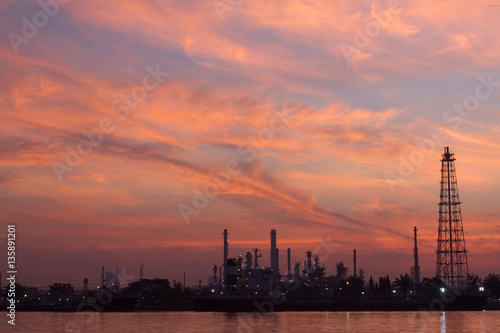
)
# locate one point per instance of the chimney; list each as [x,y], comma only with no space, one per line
[309,254]
[355,270]
[225,255]
[274,257]
[417,268]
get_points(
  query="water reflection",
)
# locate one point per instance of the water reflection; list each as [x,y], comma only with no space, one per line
[208,322]
[443,322]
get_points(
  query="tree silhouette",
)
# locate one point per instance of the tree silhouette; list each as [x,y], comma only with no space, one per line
[341,270]
[472,282]
[356,285]
[404,282]
[430,285]
[492,284]
[19,290]
[384,285]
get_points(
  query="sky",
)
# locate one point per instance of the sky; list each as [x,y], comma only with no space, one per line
[135,132]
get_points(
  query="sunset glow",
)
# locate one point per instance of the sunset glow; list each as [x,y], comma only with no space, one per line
[134,132]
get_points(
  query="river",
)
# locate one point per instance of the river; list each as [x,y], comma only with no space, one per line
[208,322]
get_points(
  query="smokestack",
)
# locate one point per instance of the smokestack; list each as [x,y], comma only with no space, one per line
[309,254]
[274,257]
[225,254]
[415,250]
[289,271]
[355,270]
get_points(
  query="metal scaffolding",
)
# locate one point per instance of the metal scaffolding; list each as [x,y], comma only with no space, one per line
[451,264]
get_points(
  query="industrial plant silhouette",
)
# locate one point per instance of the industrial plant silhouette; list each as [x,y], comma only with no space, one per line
[242,283]
[245,287]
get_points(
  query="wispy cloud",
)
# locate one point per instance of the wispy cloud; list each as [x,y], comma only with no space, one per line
[323,174]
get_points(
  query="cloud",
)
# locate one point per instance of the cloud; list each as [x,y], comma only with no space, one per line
[350,121]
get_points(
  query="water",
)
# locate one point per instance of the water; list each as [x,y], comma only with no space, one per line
[208,322]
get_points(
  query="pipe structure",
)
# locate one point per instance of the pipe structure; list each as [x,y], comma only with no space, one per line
[220,276]
[277,261]
[214,268]
[289,268]
[248,260]
[256,256]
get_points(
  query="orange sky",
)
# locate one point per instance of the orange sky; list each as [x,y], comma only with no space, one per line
[316,118]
